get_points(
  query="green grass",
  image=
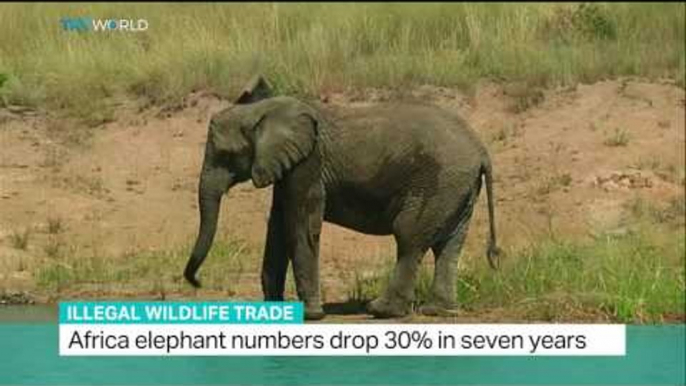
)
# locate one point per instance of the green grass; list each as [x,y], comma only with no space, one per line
[631,279]
[310,48]
[140,272]
[634,279]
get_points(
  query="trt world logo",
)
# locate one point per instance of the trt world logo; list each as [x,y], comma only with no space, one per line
[87,24]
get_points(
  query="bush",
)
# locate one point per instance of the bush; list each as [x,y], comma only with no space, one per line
[584,21]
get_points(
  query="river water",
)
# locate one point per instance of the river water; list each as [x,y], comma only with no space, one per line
[29,355]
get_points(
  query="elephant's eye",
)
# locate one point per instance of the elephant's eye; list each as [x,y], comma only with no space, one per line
[234,160]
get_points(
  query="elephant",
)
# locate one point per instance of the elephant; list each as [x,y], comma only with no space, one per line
[411,170]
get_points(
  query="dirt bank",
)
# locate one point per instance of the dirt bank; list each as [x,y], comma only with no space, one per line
[567,161]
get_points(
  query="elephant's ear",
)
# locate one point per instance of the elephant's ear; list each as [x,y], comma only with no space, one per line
[226,136]
[257,89]
[282,140]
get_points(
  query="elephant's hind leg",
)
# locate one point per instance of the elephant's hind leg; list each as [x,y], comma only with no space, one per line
[399,294]
[447,252]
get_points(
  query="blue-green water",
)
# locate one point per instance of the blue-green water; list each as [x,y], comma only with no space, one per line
[29,356]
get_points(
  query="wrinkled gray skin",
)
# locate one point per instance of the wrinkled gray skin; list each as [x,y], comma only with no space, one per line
[413,171]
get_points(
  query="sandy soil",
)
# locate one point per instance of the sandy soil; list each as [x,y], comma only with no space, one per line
[130,185]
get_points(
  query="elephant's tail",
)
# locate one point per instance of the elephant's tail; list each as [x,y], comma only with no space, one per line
[493,252]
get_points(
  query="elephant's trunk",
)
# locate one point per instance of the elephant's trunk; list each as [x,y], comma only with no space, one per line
[213,184]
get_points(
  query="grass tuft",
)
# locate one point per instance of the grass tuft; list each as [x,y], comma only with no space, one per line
[55,225]
[618,138]
[20,240]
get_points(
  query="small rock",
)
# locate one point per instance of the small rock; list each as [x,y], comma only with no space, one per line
[19,109]
[610,186]
[16,298]
[619,232]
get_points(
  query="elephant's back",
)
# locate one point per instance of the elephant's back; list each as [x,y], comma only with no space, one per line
[388,149]
[404,119]
[391,130]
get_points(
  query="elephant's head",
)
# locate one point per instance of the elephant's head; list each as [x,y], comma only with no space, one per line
[259,138]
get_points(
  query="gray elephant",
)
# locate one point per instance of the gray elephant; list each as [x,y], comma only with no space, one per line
[409,170]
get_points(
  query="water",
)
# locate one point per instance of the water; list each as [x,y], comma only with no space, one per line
[29,356]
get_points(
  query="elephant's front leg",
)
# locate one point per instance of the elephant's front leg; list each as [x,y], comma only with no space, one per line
[276,258]
[304,201]
[303,227]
